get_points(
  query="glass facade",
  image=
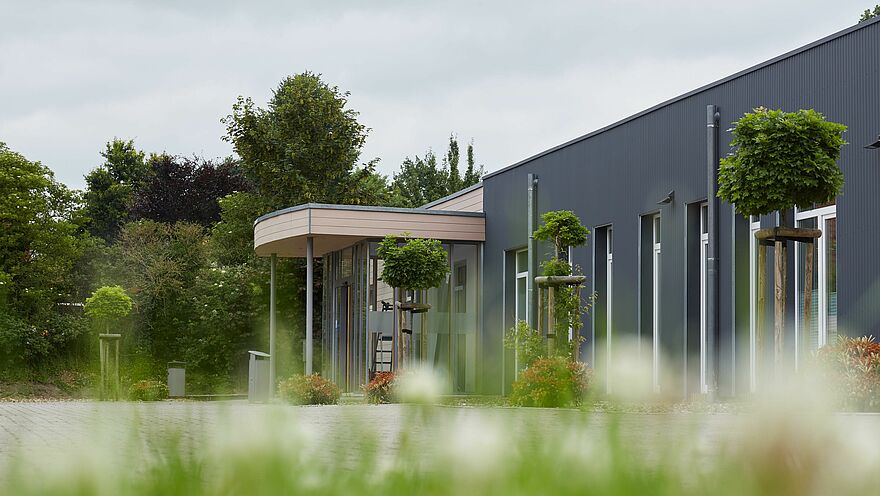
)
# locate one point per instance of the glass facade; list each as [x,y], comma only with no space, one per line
[823,303]
[361,317]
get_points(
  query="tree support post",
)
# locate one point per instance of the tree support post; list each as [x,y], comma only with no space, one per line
[760,316]
[808,297]
[109,367]
[551,322]
[779,314]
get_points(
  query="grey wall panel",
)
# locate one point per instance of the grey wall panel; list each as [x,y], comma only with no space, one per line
[620,173]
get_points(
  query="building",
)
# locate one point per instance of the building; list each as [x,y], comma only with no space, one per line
[642,185]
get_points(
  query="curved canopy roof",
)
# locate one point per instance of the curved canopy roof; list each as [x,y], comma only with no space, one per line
[334,227]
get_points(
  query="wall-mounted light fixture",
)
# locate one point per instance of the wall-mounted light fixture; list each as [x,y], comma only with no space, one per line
[874,145]
[668,199]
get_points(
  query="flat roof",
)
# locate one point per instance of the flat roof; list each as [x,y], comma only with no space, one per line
[779,58]
[334,227]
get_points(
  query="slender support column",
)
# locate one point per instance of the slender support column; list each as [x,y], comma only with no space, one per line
[760,318]
[272,325]
[310,289]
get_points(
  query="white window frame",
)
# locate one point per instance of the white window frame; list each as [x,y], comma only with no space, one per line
[524,275]
[754,227]
[821,215]
[704,255]
[609,285]
[655,295]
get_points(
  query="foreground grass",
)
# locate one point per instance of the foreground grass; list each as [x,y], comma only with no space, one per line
[442,450]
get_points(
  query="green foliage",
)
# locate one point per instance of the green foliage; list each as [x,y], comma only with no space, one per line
[232,238]
[308,390]
[552,382]
[148,390]
[414,265]
[37,343]
[526,342]
[110,188]
[781,160]
[421,180]
[108,304]
[564,229]
[382,389]
[38,244]
[869,14]
[304,147]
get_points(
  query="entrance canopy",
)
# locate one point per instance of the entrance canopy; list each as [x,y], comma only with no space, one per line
[333,227]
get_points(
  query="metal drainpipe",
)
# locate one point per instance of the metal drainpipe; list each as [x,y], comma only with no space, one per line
[712,116]
[532,252]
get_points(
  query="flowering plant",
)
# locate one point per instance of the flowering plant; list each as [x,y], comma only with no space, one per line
[308,390]
[852,365]
[382,389]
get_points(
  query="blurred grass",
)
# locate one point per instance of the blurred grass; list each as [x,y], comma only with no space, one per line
[430,450]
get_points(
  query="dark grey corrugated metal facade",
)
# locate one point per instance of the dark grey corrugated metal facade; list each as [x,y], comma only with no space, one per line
[618,174]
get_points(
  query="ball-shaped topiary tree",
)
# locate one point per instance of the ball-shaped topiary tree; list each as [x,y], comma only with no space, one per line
[107,305]
[416,264]
[781,160]
[564,229]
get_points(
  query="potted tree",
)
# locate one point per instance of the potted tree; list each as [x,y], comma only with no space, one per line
[781,160]
[108,305]
[564,229]
[414,265]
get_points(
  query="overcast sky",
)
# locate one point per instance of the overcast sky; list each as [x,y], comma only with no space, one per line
[517,78]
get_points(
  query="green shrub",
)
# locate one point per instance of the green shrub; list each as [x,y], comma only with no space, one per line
[552,382]
[852,365]
[148,390]
[382,389]
[526,342]
[308,390]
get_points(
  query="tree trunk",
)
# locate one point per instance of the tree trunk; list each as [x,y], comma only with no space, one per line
[779,324]
[808,299]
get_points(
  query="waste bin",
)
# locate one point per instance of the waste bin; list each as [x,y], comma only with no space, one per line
[176,379]
[258,377]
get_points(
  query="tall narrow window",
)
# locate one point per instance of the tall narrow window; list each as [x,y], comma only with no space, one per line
[655,297]
[823,304]
[522,275]
[704,259]
[754,227]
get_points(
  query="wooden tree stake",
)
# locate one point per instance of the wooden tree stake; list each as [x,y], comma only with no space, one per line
[779,324]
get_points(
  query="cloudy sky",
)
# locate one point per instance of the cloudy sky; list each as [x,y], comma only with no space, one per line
[515,77]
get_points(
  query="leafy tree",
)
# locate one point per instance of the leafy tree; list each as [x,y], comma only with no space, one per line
[564,229]
[304,147]
[181,189]
[869,14]
[232,238]
[781,160]
[38,245]
[107,305]
[417,264]
[110,188]
[421,180]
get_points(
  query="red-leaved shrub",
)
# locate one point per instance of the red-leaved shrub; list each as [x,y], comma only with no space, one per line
[552,382]
[308,390]
[382,389]
[852,365]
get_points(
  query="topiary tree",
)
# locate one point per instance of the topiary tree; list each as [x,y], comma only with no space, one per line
[781,160]
[414,265]
[107,305]
[564,307]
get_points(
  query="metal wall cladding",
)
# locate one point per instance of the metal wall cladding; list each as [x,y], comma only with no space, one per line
[617,174]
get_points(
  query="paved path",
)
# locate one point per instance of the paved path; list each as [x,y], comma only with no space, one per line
[29,430]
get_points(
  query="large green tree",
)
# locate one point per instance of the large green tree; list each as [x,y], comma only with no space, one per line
[110,188]
[304,147]
[422,180]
